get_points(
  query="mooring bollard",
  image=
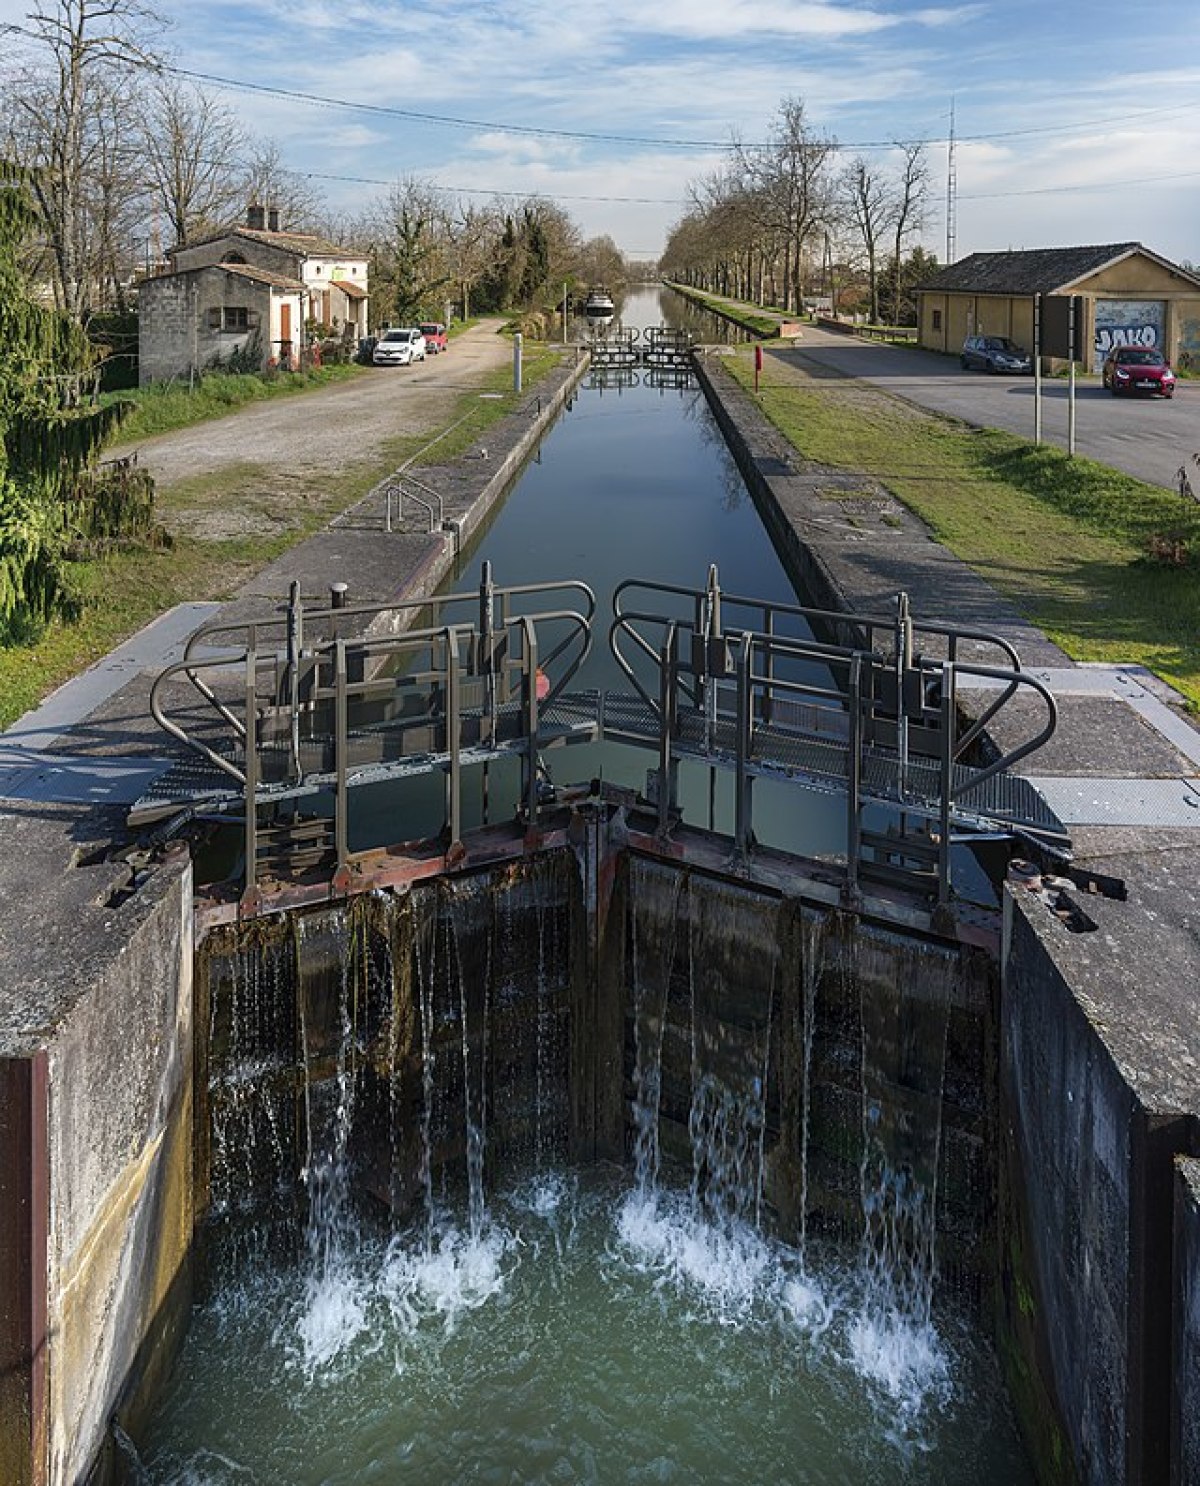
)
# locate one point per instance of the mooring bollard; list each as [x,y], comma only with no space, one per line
[338,594]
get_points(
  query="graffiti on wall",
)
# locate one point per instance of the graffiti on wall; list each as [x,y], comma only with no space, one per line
[1126,322]
[1188,355]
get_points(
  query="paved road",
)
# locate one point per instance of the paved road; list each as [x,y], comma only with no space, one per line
[1145,437]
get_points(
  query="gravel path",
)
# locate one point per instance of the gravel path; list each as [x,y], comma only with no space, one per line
[334,428]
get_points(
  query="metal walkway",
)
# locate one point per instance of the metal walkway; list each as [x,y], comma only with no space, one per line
[325,700]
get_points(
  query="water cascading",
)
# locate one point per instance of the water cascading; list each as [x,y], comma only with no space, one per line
[456,1277]
[905,996]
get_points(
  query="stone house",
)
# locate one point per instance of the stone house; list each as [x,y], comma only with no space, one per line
[1131,296]
[250,288]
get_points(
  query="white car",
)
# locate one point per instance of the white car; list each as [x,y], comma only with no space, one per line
[399,347]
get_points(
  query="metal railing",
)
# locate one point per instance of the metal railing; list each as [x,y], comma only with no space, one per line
[327,697]
[747,695]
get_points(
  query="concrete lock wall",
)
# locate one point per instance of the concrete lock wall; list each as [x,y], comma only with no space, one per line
[1089,1218]
[570,966]
[96,1182]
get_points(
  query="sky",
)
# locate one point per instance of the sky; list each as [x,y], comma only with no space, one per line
[1076,121]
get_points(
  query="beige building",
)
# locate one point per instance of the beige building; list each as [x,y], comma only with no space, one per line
[249,289]
[1131,297]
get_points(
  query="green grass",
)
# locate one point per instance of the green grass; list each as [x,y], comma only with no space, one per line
[280,508]
[732,309]
[164,406]
[1064,539]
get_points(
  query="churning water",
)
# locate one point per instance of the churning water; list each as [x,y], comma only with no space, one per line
[591,1331]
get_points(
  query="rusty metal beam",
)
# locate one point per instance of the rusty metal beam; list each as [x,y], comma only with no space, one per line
[24,1245]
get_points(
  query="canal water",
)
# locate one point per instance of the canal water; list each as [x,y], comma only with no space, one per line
[634,481]
[582,1325]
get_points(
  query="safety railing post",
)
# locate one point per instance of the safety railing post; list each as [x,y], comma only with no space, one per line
[946,780]
[295,649]
[341,730]
[251,772]
[667,712]
[743,825]
[530,650]
[854,777]
[903,661]
[454,740]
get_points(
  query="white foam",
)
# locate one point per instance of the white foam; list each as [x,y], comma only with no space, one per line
[907,1362]
[334,1316]
[454,1275]
[727,1264]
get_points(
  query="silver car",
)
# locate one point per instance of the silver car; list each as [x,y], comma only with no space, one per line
[995,353]
[399,347]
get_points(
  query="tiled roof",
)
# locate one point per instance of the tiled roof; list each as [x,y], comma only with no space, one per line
[1032,271]
[297,242]
[305,243]
[259,275]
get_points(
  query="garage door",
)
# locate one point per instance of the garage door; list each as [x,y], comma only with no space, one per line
[1127,322]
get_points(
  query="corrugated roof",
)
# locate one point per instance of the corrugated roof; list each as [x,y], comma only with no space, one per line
[1035,270]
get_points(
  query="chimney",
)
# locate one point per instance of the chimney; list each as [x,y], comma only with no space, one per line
[255,218]
[272,219]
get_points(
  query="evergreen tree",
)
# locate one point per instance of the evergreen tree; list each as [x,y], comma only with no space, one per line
[48,438]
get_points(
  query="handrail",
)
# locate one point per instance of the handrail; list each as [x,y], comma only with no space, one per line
[577,638]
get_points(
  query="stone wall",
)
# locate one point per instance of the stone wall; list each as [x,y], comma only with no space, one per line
[174,333]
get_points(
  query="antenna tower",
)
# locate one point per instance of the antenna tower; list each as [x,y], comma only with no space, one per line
[951,194]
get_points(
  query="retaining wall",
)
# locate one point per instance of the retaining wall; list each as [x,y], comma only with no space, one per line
[96,1187]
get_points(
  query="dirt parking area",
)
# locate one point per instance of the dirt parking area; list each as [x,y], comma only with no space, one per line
[269,465]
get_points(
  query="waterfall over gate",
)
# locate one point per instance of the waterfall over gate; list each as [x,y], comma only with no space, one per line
[792,1068]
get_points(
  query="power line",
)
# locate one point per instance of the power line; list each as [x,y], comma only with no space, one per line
[366,180]
[319,100]
[1145,180]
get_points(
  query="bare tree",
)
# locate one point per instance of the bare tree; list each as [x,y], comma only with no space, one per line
[193,148]
[792,180]
[267,181]
[471,231]
[908,208]
[81,47]
[409,238]
[868,210]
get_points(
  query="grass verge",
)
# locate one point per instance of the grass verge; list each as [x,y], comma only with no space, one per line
[163,407]
[1065,540]
[210,560]
[732,309]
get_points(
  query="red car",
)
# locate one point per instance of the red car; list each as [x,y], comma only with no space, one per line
[435,337]
[1134,369]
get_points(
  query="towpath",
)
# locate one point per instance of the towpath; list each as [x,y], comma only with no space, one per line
[328,431]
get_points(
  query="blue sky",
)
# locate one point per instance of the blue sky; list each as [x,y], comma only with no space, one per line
[1078,120]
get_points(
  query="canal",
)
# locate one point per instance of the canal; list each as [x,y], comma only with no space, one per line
[560,1324]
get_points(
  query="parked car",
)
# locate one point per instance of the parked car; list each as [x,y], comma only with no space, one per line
[435,337]
[995,353]
[399,347]
[1134,369]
